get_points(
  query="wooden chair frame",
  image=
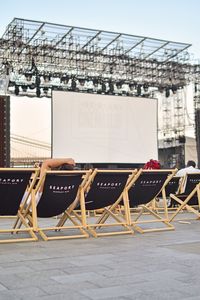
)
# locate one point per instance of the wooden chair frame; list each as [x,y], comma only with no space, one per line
[175,187]
[94,226]
[44,231]
[149,208]
[25,226]
[184,203]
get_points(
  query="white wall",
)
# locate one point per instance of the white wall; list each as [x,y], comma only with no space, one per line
[30,118]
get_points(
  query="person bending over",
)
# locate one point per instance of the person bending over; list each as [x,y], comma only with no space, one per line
[57,163]
[52,164]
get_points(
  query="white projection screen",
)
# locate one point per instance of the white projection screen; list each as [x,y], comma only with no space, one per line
[93,128]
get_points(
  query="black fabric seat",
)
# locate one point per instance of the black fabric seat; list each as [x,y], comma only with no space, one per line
[146,186]
[16,184]
[60,192]
[104,189]
[190,197]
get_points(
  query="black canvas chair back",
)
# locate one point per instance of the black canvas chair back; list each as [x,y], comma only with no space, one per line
[191,181]
[147,186]
[13,184]
[16,185]
[105,189]
[58,194]
[189,198]
[172,187]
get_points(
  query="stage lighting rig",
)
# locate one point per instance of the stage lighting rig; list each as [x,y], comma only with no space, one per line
[61,57]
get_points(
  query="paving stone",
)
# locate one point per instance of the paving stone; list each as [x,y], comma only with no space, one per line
[23,293]
[59,288]
[70,296]
[112,292]
[2,288]
[76,278]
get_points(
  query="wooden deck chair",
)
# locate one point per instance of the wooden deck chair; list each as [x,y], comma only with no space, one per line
[103,189]
[190,198]
[59,196]
[16,184]
[146,185]
[172,187]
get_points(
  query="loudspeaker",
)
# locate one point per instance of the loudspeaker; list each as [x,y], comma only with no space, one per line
[197,133]
[4,131]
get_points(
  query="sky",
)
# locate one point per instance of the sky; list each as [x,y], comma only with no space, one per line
[174,20]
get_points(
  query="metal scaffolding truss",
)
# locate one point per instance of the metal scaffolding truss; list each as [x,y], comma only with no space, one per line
[47,49]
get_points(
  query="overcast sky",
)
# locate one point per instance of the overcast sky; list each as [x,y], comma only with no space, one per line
[174,20]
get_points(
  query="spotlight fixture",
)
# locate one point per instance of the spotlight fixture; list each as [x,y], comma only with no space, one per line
[181,139]
[37,81]
[24,88]
[174,88]
[38,92]
[161,89]
[111,88]
[195,87]
[167,92]
[82,82]
[32,86]
[28,76]
[45,90]
[16,90]
[131,87]
[73,84]
[64,79]
[103,88]
[119,85]
[95,82]
[47,78]
[145,87]
[139,90]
